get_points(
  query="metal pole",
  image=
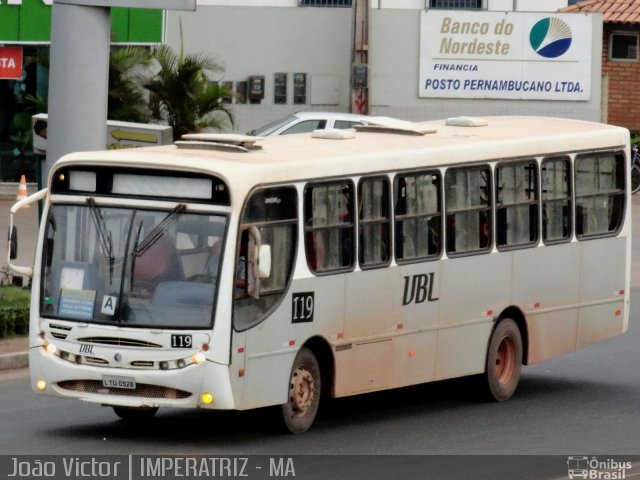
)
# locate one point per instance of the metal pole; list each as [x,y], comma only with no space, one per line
[360,94]
[79,79]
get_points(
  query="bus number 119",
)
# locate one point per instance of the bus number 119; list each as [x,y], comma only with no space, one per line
[302,308]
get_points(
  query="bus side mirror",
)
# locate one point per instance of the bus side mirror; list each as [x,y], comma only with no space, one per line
[264,261]
[13,243]
[258,262]
[12,251]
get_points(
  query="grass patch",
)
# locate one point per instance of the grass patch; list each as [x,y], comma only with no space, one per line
[14,297]
[14,312]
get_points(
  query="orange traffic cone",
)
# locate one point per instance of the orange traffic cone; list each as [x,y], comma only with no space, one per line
[22,190]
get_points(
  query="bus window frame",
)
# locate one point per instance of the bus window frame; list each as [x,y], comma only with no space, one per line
[570,198]
[498,206]
[353,225]
[441,213]
[242,227]
[389,222]
[618,155]
[490,209]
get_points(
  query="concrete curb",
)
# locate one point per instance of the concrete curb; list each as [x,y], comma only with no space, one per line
[11,361]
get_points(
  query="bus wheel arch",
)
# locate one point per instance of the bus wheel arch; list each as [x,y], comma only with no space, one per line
[322,350]
[515,314]
[504,359]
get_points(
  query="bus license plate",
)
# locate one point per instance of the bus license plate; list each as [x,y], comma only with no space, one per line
[119,382]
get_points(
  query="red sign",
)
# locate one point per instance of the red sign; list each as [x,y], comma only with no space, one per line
[10,63]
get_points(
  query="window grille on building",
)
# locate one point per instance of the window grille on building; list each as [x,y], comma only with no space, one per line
[477,4]
[623,46]
[324,3]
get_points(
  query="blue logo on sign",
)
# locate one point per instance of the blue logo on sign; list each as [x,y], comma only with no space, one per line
[550,37]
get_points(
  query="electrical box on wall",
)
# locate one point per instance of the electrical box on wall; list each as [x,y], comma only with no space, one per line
[256,88]
[359,76]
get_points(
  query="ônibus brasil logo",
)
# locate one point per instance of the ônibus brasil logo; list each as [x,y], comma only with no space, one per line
[550,37]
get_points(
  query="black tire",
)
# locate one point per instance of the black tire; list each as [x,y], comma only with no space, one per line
[504,361]
[304,392]
[132,414]
[635,178]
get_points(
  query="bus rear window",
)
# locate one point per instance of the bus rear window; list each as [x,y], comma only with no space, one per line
[599,183]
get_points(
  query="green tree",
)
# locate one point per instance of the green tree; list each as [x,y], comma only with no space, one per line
[127,101]
[182,95]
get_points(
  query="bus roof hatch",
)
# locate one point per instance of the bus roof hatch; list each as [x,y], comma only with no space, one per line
[228,142]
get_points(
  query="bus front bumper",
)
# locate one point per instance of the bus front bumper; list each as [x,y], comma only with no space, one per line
[196,386]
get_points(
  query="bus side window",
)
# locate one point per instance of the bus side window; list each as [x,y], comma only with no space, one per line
[468,208]
[555,179]
[599,183]
[516,204]
[274,212]
[374,222]
[418,216]
[329,227]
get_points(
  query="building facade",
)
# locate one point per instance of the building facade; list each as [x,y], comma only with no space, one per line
[282,56]
[298,53]
[620,59]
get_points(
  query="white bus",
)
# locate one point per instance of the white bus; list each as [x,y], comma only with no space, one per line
[229,272]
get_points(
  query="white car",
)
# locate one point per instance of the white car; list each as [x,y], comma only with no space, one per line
[304,122]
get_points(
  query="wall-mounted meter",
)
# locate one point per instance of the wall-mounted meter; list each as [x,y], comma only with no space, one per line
[256,88]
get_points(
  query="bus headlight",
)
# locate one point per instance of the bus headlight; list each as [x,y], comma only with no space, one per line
[50,348]
[206,398]
[41,385]
[198,358]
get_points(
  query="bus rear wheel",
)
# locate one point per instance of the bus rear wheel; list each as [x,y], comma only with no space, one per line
[504,361]
[132,414]
[304,393]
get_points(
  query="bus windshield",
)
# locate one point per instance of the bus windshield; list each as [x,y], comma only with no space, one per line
[131,267]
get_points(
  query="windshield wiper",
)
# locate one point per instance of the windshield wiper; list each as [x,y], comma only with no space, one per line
[134,251]
[159,230]
[122,299]
[104,236]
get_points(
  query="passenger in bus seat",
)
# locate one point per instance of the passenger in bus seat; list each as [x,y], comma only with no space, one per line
[159,263]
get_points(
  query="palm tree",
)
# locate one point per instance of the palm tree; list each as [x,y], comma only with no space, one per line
[183,96]
[126,99]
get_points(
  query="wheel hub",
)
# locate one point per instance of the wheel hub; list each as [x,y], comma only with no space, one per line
[505,360]
[302,391]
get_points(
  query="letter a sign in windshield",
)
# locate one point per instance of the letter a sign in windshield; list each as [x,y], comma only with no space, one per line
[10,63]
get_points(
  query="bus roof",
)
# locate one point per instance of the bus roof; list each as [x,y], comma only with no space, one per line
[295,157]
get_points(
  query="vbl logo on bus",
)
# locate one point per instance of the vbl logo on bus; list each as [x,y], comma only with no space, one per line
[418,288]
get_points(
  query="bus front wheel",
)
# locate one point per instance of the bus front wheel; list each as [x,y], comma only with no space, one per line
[130,414]
[504,361]
[303,393]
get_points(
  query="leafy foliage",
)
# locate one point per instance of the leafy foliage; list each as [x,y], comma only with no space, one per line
[127,101]
[14,322]
[14,312]
[183,96]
